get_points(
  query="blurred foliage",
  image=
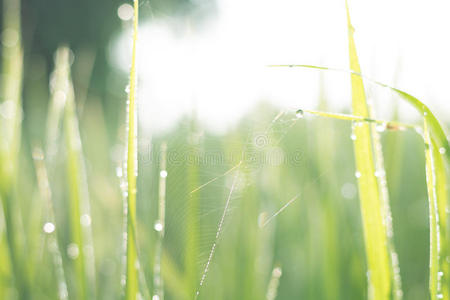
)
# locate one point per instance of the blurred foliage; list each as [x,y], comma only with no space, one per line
[317,240]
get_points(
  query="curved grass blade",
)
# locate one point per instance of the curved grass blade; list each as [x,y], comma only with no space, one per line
[371,205]
[436,130]
[132,279]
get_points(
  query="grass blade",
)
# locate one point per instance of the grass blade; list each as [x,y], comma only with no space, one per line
[132,286]
[75,176]
[49,227]
[390,125]
[371,206]
[10,135]
[442,198]
[384,193]
[436,130]
[433,212]
[160,224]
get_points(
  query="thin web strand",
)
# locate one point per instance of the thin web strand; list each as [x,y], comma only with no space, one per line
[219,230]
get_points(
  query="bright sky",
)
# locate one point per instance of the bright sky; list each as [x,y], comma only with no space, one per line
[220,69]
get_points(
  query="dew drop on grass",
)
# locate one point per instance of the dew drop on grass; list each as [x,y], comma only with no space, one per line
[379,173]
[163,173]
[440,296]
[155,297]
[49,227]
[73,251]
[119,172]
[353,137]
[381,127]
[85,220]
[299,114]
[357,174]
[442,150]
[158,226]
[127,89]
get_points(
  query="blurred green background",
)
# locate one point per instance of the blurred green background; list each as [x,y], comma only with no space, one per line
[316,241]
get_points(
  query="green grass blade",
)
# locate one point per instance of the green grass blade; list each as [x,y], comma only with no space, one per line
[389,125]
[11,95]
[442,198]
[49,227]
[371,206]
[10,135]
[132,279]
[384,193]
[74,177]
[160,224]
[436,130]
[433,211]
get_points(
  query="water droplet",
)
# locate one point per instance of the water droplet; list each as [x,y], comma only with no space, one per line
[163,173]
[125,12]
[379,173]
[425,113]
[49,227]
[127,90]
[357,174]
[299,114]
[85,220]
[353,137]
[119,172]
[155,297]
[381,127]
[73,251]
[158,226]
[442,150]
[440,296]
